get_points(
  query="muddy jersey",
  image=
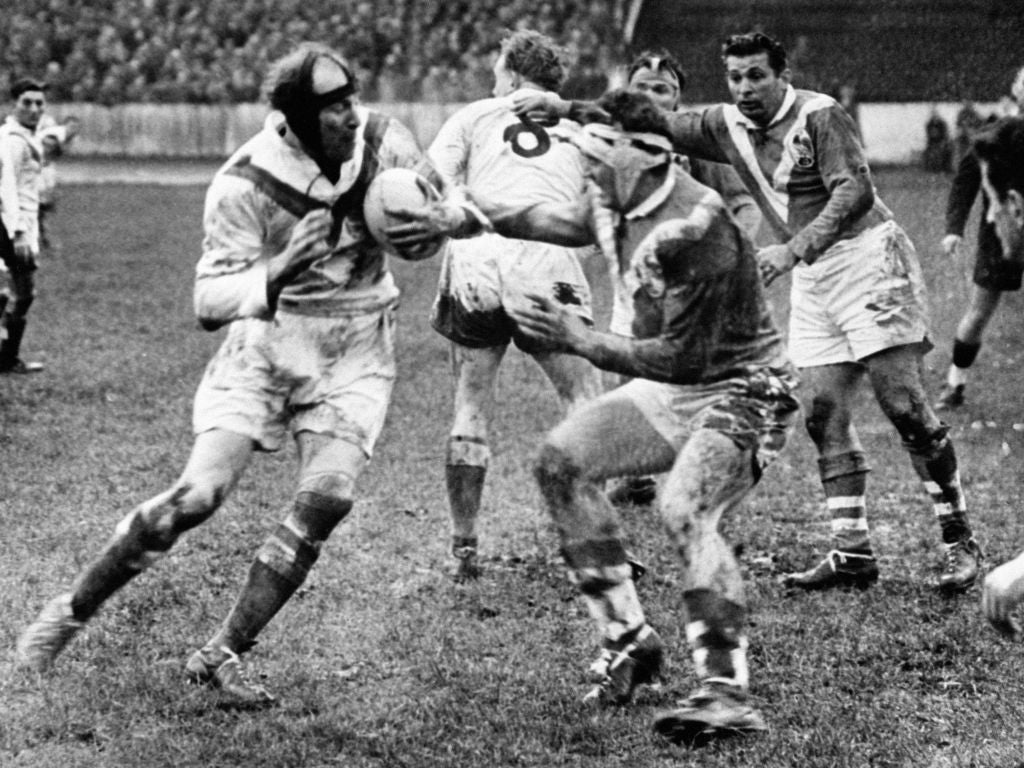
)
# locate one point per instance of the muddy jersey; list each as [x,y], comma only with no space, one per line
[260,194]
[806,168]
[699,313]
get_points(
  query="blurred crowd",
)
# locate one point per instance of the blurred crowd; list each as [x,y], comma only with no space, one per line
[173,51]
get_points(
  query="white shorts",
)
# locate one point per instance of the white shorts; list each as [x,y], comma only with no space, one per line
[483,276]
[329,375]
[863,295]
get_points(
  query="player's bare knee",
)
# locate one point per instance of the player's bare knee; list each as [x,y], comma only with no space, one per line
[556,473]
[316,514]
[820,417]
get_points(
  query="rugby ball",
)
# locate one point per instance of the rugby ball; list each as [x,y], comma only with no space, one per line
[398,188]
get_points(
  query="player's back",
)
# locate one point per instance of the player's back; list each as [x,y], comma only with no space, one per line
[486,147]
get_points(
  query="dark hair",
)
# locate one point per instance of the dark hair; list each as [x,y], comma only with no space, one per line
[634,111]
[1002,149]
[535,57]
[658,59]
[26,84]
[753,43]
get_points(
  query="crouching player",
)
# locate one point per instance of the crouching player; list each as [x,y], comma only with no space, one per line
[1001,157]
[711,403]
[288,262]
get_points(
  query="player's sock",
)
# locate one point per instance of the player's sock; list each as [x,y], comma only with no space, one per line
[935,463]
[600,568]
[844,479]
[10,347]
[714,631]
[280,567]
[134,547]
[465,472]
[964,355]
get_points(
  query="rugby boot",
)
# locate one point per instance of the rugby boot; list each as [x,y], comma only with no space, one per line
[19,367]
[838,569]
[713,711]
[464,550]
[46,637]
[221,669]
[963,563]
[950,398]
[624,666]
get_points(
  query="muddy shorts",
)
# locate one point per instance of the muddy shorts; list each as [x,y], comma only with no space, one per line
[483,276]
[328,375]
[863,295]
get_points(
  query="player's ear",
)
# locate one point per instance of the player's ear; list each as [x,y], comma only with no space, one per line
[786,75]
[1015,207]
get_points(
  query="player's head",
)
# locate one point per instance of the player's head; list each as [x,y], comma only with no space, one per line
[29,101]
[315,89]
[757,75]
[1017,88]
[631,156]
[1000,152]
[659,75]
[528,57]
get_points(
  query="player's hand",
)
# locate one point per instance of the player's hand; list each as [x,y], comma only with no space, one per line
[308,243]
[23,250]
[1002,594]
[424,225]
[548,322]
[951,245]
[538,105]
[773,261]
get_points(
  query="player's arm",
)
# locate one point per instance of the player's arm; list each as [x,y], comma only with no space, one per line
[845,174]
[962,192]
[9,207]
[234,277]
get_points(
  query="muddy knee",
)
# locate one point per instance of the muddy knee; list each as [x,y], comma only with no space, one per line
[556,473]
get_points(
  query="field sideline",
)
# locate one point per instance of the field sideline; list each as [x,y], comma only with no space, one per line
[381,660]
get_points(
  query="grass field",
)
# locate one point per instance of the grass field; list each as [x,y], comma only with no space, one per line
[381,660]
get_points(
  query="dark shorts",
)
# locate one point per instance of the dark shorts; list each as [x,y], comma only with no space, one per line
[994,273]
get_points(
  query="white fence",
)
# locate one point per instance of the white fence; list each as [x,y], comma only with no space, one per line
[893,133]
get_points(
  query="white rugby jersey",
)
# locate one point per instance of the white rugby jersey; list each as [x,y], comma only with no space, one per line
[261,193]
[21,161]
[494,153]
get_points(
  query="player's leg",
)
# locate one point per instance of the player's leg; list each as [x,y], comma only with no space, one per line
[842,468]
[575,380]
[603,438]
[468,453]
[967,344]
[142,537]
[329,468]
[898,382]
[21,294]
[709,479]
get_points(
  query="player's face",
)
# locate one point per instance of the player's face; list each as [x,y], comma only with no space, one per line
[663,91]
[505,81]
[757,90]
[29,108]
[1007,216]
[338,124]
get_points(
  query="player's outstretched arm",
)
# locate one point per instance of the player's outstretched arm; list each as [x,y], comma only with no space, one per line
[1002,594]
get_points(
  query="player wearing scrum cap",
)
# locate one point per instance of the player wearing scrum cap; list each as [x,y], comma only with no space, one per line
[287,261]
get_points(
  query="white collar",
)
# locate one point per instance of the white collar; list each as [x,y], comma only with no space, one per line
[657,197]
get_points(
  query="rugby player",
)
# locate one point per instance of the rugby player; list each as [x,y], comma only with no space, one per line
[21,163]
[992,273]
[1000,156]
[486,147]
[857,296]
[288,262]
[711,403]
